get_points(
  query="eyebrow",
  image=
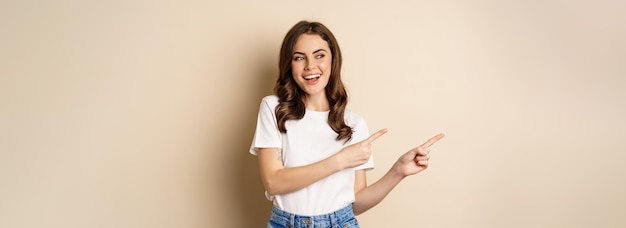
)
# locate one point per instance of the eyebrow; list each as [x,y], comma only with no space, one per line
[318,50]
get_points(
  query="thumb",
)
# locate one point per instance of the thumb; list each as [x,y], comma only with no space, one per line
[376,135]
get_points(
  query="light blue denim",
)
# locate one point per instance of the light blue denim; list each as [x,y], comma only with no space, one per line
[343,218]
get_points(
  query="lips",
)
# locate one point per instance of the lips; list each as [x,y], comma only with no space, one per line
[312,79]
[312,76]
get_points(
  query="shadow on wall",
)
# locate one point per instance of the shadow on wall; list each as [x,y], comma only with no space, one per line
[248,190]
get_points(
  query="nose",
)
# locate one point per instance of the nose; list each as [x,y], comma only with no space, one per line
[309,66]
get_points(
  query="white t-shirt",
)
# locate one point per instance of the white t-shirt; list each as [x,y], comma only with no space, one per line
[307,141]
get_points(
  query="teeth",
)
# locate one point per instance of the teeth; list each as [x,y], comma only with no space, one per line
[312,76]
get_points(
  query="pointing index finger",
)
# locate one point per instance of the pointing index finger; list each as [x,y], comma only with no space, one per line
[376,135]
[432,140]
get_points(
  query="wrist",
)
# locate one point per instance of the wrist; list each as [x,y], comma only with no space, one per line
[396,171]
[336,162]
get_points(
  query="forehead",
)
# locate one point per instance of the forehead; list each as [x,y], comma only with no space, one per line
[309,43]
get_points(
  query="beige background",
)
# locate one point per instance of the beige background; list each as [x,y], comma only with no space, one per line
[140,113]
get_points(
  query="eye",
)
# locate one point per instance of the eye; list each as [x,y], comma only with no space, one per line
[320,56]
[298,58]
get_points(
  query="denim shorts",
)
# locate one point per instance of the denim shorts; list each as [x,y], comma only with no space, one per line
[343,218]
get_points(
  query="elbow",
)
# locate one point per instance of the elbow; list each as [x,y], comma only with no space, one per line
[359,206]
[276,184]
[271,188]
[277,188]
[270,191]
[357,211]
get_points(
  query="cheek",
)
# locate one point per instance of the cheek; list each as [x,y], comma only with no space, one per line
[295,68]
[326,65]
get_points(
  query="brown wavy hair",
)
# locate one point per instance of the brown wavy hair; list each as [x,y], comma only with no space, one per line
[291,97]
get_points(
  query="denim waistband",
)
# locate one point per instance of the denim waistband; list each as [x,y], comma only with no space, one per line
[336,217]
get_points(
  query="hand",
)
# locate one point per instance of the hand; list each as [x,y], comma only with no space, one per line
[416,160]
[358,153]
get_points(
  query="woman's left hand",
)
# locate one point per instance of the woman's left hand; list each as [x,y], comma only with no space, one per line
[416,160]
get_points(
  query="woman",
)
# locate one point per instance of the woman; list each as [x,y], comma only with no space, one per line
[312,152]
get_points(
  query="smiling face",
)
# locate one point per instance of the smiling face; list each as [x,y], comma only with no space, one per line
[311,64]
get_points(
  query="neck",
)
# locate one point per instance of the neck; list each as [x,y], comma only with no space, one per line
[317,103]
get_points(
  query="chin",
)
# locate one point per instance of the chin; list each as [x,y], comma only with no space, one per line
[314,93]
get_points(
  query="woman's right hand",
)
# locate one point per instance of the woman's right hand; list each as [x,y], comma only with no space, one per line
[358,153]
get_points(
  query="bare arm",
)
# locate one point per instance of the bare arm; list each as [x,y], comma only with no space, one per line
[410,163]
[280,180]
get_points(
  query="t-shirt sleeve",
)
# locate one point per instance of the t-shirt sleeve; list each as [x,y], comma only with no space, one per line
[361,132]
[266,134]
